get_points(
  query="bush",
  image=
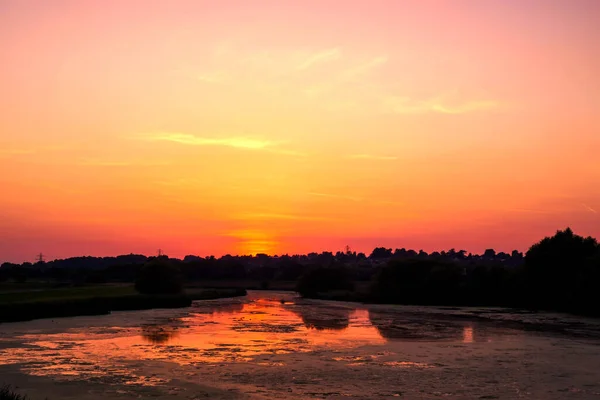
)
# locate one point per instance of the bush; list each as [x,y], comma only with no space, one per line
[7,394]
[324,279]
[560,271]
[417,282]
[159,276]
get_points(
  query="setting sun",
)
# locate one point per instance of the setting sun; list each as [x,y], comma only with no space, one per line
[209,128]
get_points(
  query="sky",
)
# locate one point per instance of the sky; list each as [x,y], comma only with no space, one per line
[266,126]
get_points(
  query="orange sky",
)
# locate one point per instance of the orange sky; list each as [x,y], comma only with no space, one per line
[206,127]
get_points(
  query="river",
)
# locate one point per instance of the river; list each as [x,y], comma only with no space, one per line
[274,345]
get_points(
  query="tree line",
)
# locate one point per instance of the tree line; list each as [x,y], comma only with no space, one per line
[261,267]
[558,273]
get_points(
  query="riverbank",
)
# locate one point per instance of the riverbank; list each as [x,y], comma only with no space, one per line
[364,297]
[96,300]
[273,345]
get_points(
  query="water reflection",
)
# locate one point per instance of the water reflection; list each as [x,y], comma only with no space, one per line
[320,319]
[220,307]
[255,329]
[424,327]
[162,332]
[468,334]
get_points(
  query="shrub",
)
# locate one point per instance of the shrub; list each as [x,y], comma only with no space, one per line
[159,276]
[7,394]
[324,279]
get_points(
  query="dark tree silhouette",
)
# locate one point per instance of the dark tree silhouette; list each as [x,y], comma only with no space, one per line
[327,318]
[159,276]
[324,279]
[6,393]
[381,252]
[161,333]
[560,271]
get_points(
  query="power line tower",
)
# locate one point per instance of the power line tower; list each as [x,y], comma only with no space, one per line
[348,249]
[40,258]
[160,253]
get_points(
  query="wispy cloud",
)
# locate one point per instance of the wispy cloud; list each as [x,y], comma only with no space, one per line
[30,151]
[406,105]
[98,162]
[275,216]
[335,196]
[180,182]
[532,211]
[287,152]
[366,200]
[320,57]
[372,157]
[192,140]
[316,90]
[590,209]
[465,107]
[238,142]
[16,152]
[363,68]
[212,77]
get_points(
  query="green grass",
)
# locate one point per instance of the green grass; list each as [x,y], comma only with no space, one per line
[72,293]
[96,300]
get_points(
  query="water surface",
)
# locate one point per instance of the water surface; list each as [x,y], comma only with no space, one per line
[275,345]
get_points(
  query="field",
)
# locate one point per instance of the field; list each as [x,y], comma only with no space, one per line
[40,294]
[24,305]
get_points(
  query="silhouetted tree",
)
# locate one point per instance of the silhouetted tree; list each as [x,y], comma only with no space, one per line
[559,268]
[380,252]
[324,279]
[489,253]
[159,276]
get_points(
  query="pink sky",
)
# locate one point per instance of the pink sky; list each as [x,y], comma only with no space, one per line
[205,127]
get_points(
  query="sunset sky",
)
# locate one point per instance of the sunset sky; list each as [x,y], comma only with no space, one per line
[213,127]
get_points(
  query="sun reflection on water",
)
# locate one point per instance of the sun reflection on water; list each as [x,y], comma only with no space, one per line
[468,334]
[257,330]
[238,330]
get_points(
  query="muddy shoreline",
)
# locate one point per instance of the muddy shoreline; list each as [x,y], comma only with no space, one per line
[276,346]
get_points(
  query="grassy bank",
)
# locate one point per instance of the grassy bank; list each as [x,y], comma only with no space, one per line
[250,284]
[467,299]
[6,393]
[96,300]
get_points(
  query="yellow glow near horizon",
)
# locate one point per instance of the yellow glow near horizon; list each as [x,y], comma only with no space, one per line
[213,128]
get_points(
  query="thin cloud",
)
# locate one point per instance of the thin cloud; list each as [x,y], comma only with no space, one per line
[97,162]
[532,211]
[40,150]
[466,107]
[372,157]
[17,152]
[286,152]
[357,199]
[214,78]
[320,57]
[192,140]
[335,196]
[364,68]
[406,105]
[316,90]
[590,209]
[274,216]
[235,142]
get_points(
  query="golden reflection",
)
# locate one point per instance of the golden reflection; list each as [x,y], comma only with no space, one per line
[468,334]
[160,333]
[247,331]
